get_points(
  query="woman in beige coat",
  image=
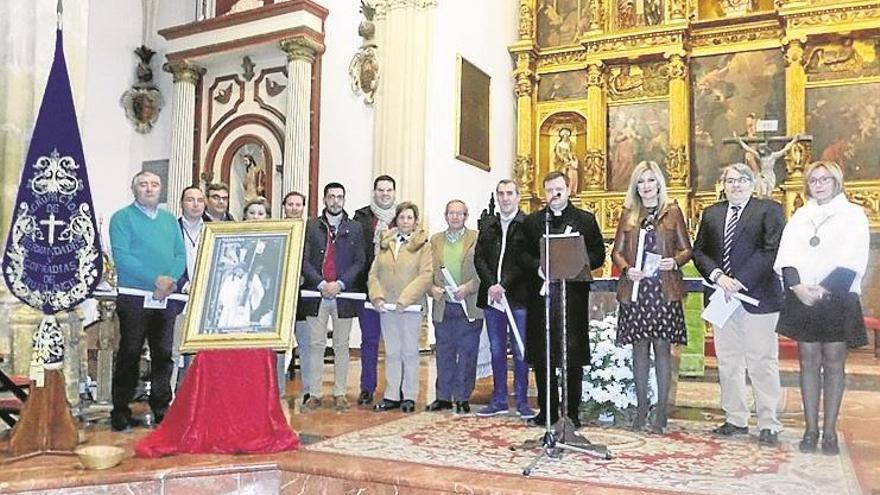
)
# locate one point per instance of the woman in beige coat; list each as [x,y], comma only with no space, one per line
[400,275]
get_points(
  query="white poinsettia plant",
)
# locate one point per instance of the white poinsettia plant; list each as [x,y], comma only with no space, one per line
[609,387]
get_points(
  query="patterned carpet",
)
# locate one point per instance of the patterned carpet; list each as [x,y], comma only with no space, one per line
[687,460]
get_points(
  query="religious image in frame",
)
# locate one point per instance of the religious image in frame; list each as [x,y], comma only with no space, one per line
[844,121]
[562,22]
[636,132]
[730,93]
[637,13]
[245,292]
[472,114]
[567,85]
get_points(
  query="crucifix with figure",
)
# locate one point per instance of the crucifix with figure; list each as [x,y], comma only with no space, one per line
[759,155]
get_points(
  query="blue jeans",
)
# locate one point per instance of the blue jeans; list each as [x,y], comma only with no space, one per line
[498,330]
[371,330]
[458,343]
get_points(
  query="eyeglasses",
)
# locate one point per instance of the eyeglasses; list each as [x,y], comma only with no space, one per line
[217,197]
[738,180]
[824,180]
[456,214]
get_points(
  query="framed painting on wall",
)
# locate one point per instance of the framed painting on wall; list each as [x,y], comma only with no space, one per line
[472,114]
[845,123]
[636,132]
[729,93]
[245,291]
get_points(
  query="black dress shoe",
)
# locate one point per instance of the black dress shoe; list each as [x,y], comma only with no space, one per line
[809,442]
[438,405]
[462,407]
[387,405]
[576,421]
[539,420]
[158,416]
[126,424]
[306,398]
[366,398]
[408,406]
[829,445]
[119,421]
[768,438]
[727,430]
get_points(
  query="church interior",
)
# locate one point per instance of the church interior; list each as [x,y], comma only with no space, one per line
[449,98]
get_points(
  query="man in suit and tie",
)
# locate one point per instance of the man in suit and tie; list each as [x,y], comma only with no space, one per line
[735,249]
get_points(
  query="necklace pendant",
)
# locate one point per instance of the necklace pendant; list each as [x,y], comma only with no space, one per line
[814,241]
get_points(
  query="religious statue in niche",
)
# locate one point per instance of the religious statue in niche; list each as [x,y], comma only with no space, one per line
[364,67]
[565,158]
[143,101]
[248,176]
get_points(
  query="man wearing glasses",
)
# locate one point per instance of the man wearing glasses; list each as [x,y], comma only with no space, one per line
[217,206]
[734,250]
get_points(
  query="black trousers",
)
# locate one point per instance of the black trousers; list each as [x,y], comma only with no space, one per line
[575,390]
[136,325]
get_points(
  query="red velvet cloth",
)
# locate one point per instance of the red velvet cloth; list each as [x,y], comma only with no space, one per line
[227,404]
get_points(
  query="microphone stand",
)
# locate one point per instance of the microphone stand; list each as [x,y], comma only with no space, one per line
[564,436]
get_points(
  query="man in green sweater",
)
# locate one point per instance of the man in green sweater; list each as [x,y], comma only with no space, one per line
[150,256]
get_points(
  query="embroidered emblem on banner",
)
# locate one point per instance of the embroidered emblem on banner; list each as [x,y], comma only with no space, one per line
[52,260]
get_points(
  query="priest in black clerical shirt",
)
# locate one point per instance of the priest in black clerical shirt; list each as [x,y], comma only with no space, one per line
[564,217]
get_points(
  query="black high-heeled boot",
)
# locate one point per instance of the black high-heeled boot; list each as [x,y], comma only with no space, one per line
[809,442]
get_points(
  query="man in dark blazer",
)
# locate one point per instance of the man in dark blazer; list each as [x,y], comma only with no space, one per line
[217,203]
[333,259]
[500,245]
[735,248]
[374,219]
[564,217]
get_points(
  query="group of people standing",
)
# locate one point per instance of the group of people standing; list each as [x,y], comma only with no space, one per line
[805,277]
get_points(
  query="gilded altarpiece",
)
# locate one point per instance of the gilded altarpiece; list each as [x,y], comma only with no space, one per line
[618,81]
[603,84]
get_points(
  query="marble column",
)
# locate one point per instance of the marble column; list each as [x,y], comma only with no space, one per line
[404,35]
[301,53]
[183,114]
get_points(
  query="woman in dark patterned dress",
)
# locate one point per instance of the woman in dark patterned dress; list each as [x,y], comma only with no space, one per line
[655,317]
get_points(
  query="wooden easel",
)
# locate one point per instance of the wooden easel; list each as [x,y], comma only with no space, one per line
[46,425]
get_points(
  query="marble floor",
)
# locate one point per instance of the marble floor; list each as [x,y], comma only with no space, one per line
[307,471]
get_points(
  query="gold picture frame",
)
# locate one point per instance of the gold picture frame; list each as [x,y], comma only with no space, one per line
[246,288]
[472,112]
